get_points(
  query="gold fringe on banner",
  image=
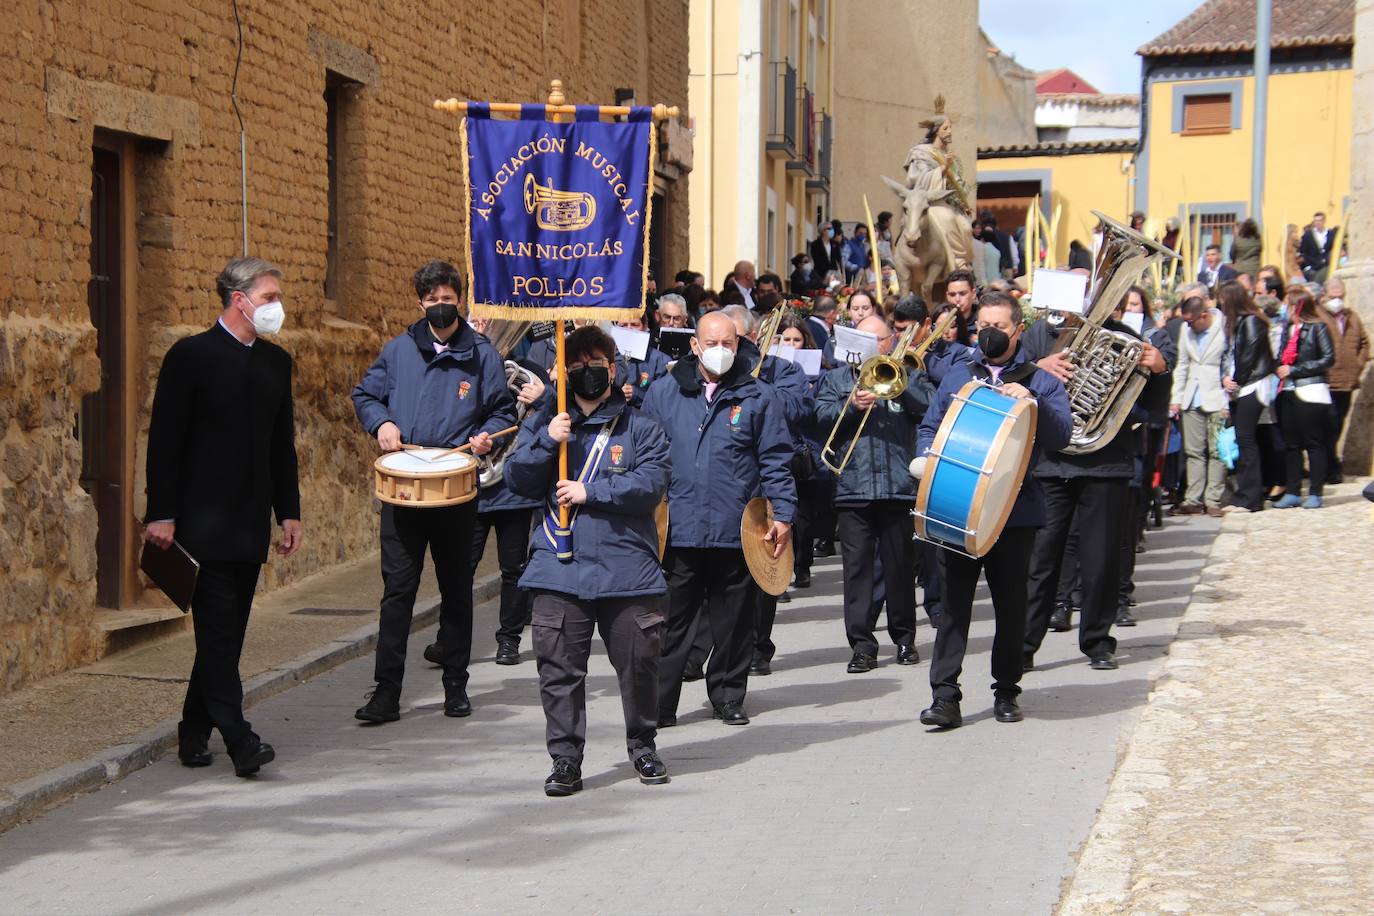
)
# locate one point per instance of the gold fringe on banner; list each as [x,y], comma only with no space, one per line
[508,312]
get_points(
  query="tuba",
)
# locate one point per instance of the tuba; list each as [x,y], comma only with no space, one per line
[1107,377]
[563,211]
[504,335]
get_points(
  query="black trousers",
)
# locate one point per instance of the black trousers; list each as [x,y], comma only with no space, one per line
[1340,408]
[1130,536]
[815,519]
[1304,428]
[512,553]
[406,533]
[883,526]
[1069,591]
[1249,480]
[1099,504]
[1005,567]
[765,612]
[632,631]
[930,576]
[716,581]
[219,613]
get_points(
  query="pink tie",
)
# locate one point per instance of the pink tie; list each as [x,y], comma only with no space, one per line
[440,348]
[711,390]
[996,374]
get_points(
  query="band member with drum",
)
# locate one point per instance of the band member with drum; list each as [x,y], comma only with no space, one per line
[874,495]
[1000,361]
[729,442]
[606,575]
[1093,488]
[438,384]
[221,463]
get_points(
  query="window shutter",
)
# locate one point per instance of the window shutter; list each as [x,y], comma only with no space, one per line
[1207,114]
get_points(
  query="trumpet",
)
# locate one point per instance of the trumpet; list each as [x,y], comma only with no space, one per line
[886,378]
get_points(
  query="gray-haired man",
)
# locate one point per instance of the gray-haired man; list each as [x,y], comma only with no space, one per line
[221,461]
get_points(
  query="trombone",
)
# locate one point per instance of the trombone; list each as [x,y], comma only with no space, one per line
[768,329]
[886,378]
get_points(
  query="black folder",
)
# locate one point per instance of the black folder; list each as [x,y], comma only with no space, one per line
[173,570]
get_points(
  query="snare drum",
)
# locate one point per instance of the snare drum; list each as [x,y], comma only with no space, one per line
[410,479]
[974,469]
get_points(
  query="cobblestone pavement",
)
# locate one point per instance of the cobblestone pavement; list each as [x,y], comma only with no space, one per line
[835,799]
[1247,786]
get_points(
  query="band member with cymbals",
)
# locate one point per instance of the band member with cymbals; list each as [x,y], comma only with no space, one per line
[438,384]
[1000,361]
[729,442]
[874,495]
[606,575]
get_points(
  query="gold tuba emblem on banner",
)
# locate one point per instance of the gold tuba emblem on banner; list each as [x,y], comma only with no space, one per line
[565,211]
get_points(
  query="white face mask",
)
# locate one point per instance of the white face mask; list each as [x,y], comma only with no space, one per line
[1335,305]
[267,318]
[718,360]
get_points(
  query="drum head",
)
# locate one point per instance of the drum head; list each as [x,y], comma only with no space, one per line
[1010,454]
[418,461]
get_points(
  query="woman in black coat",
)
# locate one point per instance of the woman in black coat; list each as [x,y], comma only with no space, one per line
[1306,352]
[1248,382]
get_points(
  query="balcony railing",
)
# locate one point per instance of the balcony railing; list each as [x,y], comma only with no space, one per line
[805,160]
[824,131]
[782,109]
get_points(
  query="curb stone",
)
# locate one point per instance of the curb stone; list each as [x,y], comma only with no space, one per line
[28,798]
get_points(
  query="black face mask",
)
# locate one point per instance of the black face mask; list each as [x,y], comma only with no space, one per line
[442,314]
[589,382]
[993,342]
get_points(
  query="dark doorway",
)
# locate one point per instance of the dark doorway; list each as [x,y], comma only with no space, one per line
[1009,201]
[658,240]
[100,426]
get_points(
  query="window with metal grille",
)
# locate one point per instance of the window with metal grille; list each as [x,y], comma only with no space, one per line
[1207,114]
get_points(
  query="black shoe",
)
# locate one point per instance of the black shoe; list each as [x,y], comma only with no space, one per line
[651,770]
[760,666]
[784,598]
[802,579]
[824,548]
[1027,661]
[1006,709]
[942,714]
[730,713]
[692,673]
[508,651]
[250,755]
[1333,479]
[565,779]
[862,663]
[1061,621]
[434,654]
[667,720]
[456,705]
[383,705]
[1103,662]
[907,655]
[193,747]
[1123,617]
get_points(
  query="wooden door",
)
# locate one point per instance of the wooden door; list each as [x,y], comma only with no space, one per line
[100,427]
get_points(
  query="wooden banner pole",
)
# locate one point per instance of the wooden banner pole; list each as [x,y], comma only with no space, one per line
[555,113]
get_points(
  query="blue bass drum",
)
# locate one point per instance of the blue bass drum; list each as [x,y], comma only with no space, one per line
[974,469]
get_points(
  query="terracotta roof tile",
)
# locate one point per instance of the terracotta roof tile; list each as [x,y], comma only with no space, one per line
[1060,148]
[1229,25]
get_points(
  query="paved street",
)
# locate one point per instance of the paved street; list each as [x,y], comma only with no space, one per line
[834,799]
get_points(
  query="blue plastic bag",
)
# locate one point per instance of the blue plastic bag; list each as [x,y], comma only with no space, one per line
[1228,449]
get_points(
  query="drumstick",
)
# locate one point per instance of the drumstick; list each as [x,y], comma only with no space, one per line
[463,448]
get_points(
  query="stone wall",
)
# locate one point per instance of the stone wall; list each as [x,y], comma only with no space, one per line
[159,72]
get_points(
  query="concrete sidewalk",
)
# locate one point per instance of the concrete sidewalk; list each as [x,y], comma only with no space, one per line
[1247,786]
[74,731]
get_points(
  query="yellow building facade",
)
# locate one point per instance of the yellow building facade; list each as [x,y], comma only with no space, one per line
[759,89]
[1198,122]
[1073,178]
